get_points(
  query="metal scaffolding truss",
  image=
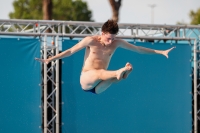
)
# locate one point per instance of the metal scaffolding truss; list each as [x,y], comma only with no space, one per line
[50,85]
[82,29]
[77,29]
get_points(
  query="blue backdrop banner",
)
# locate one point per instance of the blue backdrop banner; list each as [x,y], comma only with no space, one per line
[155,98]
[20,95]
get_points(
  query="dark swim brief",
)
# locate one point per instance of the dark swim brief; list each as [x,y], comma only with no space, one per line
[91,90]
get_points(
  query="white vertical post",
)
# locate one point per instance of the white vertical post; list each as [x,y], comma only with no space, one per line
[137,32]
[184,34]
[63,29]
[152,12]
[57,88]
[52,86]
[38,27]
[195,87]
[45,85]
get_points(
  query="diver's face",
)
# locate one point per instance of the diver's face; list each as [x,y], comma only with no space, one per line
[108,38]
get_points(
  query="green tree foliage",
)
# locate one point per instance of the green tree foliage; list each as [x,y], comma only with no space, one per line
[27,9]
[195,17]
[75,10]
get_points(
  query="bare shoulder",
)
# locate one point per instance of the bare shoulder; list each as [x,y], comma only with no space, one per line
[89,39]
[86,41]
[120,42]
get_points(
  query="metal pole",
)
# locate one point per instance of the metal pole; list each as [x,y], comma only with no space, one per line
[57,88]
[63,29]
[184,34]
[38,28]
[52,86]
[195,87]
[45,85]
[137,32]
[152,12]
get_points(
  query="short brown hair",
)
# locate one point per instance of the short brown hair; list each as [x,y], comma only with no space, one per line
[110,26]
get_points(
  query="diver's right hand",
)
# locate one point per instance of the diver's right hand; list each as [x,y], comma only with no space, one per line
[42,60]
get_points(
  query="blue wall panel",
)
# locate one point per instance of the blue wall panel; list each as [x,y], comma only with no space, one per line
[155,98]
[20,95]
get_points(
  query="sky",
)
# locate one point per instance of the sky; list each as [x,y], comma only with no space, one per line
[132,11]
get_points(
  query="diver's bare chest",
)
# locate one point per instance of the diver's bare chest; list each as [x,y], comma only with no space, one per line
[101,50]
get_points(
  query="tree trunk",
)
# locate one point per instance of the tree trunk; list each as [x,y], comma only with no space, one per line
[115,5]
[47,9]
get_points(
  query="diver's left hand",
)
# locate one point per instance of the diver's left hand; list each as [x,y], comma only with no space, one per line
[165,52]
